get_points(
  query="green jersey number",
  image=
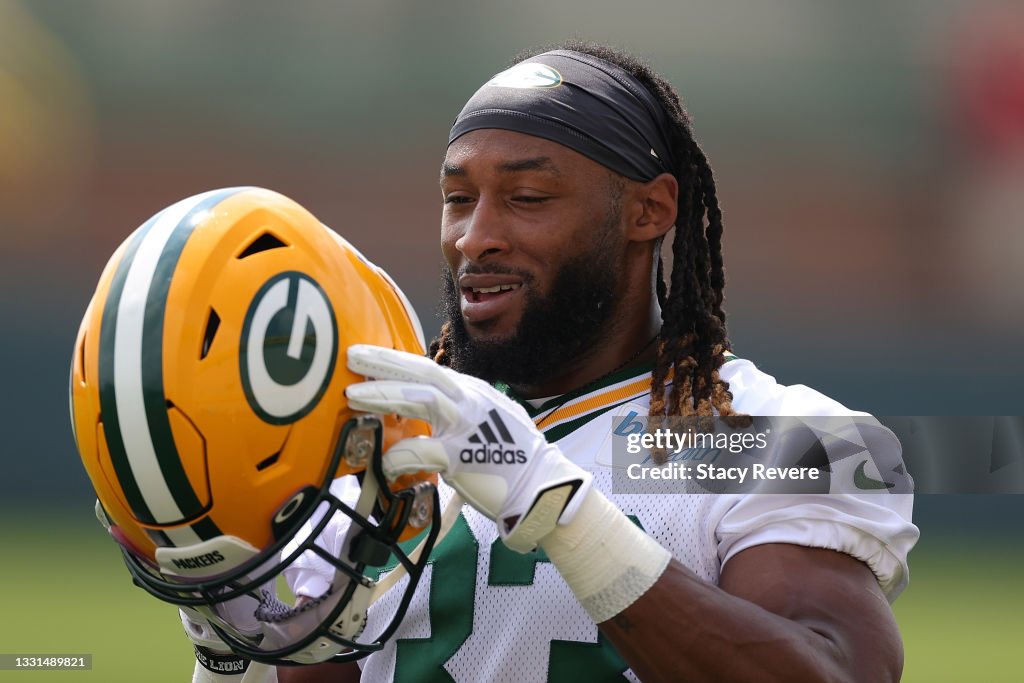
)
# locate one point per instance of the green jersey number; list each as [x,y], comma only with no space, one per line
[451,605]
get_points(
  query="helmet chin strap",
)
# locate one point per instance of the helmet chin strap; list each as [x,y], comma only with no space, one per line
[367,496]
[451,513]
[282,624]
[364,506]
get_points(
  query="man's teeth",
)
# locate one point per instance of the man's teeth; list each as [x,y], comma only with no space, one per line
[496,288]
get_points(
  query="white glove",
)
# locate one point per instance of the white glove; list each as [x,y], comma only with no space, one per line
[483,443]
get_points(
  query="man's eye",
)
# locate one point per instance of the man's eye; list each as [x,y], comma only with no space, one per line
[530,199]
[457,199]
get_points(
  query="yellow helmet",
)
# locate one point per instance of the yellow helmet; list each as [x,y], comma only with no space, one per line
[208,405]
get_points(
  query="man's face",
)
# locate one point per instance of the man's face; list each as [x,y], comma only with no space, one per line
[533,241]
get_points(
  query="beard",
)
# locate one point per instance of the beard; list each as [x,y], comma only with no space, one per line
[556,330]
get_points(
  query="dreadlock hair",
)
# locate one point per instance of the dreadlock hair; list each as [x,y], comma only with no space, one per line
[437,349]
[693,340]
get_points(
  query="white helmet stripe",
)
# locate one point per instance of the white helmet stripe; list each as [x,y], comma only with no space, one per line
[182,536]
[128,386]
[142,449]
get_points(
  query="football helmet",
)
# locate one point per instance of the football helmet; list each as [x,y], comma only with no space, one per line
[208,405]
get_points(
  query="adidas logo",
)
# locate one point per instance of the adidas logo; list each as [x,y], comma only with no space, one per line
[492,437]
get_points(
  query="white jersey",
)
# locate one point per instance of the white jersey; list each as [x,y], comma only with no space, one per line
[485,613]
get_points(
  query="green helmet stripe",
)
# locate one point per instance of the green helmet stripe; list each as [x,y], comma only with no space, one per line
[133,403]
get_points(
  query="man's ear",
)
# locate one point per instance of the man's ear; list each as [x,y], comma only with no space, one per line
[656,206]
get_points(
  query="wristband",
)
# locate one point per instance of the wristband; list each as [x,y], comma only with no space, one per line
[606,560]
[223,663]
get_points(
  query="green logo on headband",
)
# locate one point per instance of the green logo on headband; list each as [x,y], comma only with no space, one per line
[527,75]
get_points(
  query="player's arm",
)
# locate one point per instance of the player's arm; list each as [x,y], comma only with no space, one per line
[780,613]
[215,662]
[214,658]
[319,673]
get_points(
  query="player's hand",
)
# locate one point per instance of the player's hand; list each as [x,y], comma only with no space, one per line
[215,662]
[483,443]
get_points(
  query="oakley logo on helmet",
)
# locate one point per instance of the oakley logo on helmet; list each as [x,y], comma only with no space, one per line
[289,508]
[289,347]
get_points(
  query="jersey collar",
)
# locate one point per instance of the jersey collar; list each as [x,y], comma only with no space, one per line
[561,415]
[581,405]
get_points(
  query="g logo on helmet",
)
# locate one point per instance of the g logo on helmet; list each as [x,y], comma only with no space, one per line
[289,347]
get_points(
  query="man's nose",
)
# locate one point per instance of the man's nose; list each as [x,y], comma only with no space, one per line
[484,232]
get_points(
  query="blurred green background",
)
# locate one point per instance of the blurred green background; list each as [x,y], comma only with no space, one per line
[869,157]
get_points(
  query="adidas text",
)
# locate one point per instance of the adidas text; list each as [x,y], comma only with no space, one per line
[496,455]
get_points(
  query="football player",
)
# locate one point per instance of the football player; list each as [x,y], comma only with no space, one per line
[207,399]
[563,176]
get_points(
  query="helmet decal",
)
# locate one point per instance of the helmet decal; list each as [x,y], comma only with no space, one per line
[136,425]
[289,347]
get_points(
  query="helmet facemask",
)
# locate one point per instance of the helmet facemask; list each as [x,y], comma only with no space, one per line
[243,605]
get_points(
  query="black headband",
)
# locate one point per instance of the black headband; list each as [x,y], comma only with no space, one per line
[580,101]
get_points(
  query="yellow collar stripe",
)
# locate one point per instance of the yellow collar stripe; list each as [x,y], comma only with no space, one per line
[587,403]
